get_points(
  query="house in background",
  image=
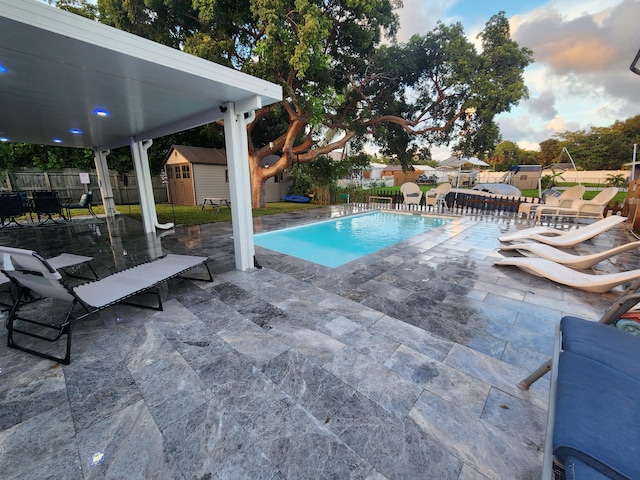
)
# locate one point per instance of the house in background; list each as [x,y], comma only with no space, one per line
[195,173]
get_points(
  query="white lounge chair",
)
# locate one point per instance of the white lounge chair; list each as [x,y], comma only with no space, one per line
[559,238]
[567,276]
[580,262]
[411,193]
[32,273]
[436,196]
[593,208]
[565,200]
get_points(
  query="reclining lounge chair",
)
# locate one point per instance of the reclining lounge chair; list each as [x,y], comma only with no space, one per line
[581,262]
[564,200]
[593,208]
[573,278]
[594,392]
[32,273]
[559,238]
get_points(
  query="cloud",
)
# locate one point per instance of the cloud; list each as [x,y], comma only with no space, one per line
[559,125]
[589,43]
[515,129]
[544,105]
[582,51]
[525,131]
[583,59]
[420,17]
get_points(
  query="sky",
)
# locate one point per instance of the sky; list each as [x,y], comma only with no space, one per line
[582,51]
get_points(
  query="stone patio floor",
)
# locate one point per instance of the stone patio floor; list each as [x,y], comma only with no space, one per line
[401,365]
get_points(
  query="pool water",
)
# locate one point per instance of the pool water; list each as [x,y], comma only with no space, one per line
[335,242]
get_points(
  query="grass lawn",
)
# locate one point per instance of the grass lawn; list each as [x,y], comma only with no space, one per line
[187,216]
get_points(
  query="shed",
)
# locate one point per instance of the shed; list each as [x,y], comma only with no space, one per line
[527,177]
[195,173]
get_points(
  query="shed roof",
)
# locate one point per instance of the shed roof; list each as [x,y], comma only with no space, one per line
[200,155]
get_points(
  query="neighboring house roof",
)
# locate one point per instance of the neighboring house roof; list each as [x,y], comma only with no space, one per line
[200,155]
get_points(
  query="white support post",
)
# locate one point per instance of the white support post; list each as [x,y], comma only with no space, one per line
[235,134]
[104,182]
[145,188]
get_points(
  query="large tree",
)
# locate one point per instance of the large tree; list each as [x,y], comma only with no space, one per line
[341,83]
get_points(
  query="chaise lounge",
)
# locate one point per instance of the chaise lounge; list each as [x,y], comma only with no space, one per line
[33,274]
[592,428]
[567,276]
[562,257]
[565,200]
[593,208]
[560,238]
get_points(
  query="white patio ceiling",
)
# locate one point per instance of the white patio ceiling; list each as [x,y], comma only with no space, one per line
[57,68]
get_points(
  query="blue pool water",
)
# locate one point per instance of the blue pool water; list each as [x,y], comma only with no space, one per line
[335,242]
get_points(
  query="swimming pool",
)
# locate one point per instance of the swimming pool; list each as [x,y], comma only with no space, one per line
[335,242]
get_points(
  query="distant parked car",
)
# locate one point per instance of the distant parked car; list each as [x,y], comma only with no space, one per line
[428,179]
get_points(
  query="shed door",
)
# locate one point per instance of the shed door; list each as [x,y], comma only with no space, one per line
[180,184]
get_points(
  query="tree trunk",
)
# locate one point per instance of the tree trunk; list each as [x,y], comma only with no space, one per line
[258,179]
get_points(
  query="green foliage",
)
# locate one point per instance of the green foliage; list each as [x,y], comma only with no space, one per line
[83,8]
[617,180]
[552,179]
[338,76]
[324,171]
[301,183]
[550,151]
[602,148]
[13,155]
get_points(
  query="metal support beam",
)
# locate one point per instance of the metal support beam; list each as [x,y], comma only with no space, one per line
[143,175]
[104,182]
[235,133]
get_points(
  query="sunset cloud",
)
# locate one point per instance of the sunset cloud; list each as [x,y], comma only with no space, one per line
[582,51]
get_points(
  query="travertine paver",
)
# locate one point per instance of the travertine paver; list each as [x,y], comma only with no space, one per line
[400,365]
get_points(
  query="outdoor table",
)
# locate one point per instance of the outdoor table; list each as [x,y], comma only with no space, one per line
[215,202]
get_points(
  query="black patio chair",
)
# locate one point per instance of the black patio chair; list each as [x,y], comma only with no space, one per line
[11,206]
[84,203]
[47,204]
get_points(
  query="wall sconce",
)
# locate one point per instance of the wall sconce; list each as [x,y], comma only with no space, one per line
[634,65]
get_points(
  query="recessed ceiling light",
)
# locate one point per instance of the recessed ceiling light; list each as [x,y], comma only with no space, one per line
[101,112]
[76,131]
[57,140]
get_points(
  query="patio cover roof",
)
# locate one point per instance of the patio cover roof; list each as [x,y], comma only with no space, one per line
[56,68]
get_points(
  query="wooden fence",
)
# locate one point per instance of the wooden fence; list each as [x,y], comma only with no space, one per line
[68,184]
